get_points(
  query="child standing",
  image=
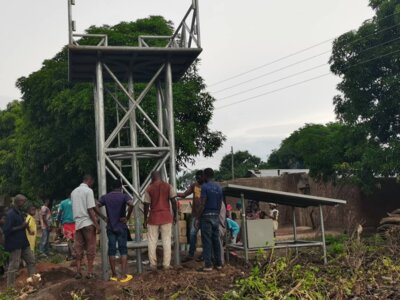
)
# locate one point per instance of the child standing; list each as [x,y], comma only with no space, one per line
[234,228]
[274,215]
[31,230]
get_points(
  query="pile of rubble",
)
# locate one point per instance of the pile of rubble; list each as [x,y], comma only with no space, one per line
[391,222]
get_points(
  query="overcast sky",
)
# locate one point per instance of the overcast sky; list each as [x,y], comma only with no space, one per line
[236,36]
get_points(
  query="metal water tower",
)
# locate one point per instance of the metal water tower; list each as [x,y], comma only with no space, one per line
[157,67]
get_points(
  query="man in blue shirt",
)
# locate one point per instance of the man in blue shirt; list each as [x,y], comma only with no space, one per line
[116,203]
[16,241]
[211,197]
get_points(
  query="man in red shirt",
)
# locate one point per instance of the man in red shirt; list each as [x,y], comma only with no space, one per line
[158,197]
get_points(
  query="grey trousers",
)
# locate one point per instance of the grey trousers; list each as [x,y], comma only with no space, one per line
[222,232]
[15,261]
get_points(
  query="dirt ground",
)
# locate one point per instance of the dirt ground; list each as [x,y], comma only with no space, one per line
[58,283]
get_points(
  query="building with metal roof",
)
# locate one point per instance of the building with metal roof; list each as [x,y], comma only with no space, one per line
[274,172]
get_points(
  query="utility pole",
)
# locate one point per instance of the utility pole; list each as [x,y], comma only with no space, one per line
[233,164]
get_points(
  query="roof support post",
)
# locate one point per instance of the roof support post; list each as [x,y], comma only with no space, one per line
[101,176]
[295,229]
[321,214]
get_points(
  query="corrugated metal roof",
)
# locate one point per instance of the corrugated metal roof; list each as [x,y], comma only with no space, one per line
[278,197]
[275,172]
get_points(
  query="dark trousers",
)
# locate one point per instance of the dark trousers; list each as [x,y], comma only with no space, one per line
[193,237]
[210,238]
[115,238]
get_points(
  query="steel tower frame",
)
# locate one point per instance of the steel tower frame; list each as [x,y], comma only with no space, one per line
[124,66]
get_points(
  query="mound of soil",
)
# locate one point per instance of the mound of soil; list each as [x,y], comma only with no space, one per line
[164,283]
[58,283]
[86,289]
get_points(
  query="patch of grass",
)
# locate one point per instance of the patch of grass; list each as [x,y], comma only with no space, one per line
[336,244]
[10,294]
[355,269]
[56,259]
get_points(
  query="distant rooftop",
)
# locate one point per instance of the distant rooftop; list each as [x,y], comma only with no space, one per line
[274,172]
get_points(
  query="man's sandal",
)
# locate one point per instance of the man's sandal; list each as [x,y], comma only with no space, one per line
[128,277]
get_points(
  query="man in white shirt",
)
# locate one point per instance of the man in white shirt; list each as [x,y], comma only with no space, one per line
[83,207]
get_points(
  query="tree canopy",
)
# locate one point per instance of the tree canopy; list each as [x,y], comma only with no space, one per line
[327,150]
[367,61]
[10,119]
[242,160]
[55,141]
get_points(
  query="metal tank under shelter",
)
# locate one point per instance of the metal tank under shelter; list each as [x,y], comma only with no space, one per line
[151,139]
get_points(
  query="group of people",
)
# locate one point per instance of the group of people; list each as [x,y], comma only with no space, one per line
[215,219]
[78,216]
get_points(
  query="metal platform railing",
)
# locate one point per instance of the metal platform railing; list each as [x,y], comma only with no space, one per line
[185,36]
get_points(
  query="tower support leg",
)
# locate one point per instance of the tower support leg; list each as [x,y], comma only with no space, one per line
[172,159]
[101,169]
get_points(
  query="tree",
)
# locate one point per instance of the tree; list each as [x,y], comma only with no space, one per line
[10,119]
[367,61]
[242,160]
[57,141]
[186,179]
[329,151]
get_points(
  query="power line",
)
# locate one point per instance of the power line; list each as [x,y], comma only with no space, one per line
[272,72]
[272,82]
[301,72]
[301,51]
[270,63]
[299,62]
[301,82]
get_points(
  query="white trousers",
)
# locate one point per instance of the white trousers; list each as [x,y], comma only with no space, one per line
[152,236]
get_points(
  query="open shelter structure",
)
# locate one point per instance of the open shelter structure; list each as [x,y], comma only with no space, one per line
[282,198]
[116,70]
